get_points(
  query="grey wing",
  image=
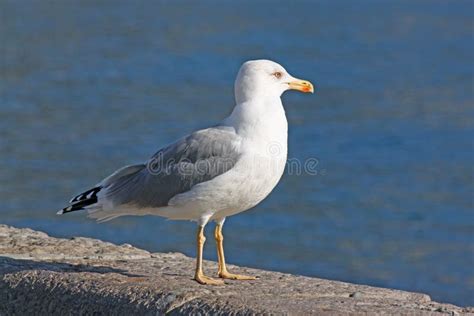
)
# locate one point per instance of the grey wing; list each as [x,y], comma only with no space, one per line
[175,169]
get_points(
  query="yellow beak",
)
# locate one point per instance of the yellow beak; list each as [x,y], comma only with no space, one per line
[301,85]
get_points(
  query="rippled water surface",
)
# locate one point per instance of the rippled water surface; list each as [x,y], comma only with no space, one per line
[87,87]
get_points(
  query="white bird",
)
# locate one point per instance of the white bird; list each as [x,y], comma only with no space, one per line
[212,173]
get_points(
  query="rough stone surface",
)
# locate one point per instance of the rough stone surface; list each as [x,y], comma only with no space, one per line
[45,275]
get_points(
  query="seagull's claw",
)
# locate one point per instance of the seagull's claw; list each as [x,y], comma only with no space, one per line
[232,276]
[201,278]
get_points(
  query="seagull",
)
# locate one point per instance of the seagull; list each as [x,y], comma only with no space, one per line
[211,173]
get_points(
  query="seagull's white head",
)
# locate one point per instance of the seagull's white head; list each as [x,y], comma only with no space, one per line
[265,78]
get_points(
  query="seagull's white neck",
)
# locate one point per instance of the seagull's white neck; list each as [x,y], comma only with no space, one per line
[261,119]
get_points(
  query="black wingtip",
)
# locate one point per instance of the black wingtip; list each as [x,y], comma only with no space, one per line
[82,200]
[70,208]
[86,195]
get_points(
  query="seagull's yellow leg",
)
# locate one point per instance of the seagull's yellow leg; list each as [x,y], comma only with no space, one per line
[199,276]
[223,273]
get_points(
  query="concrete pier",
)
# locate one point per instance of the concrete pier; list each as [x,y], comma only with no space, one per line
[40,274]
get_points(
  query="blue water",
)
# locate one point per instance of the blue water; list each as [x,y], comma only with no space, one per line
[87,87]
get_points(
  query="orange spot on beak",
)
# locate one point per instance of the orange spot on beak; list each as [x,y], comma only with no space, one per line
[301,85]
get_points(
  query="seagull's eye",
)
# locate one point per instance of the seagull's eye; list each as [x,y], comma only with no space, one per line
[278,74]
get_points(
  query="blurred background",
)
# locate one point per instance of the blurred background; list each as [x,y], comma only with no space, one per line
[90,86]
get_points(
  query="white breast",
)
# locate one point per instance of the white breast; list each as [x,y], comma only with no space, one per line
[263,161]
